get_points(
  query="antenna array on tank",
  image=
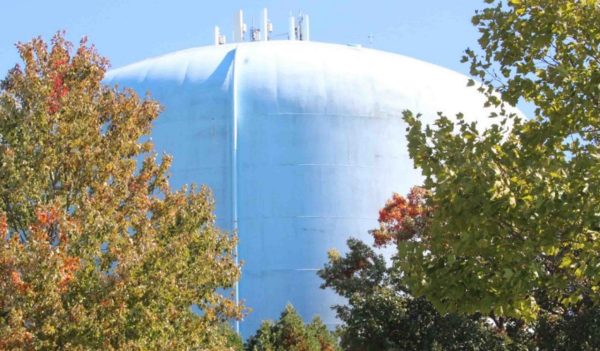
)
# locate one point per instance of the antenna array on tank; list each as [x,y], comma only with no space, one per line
[298,29]
[219,38]
[303,28]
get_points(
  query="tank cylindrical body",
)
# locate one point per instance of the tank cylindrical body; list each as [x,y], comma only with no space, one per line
[301,142]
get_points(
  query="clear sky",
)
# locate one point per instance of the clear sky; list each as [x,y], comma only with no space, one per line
[126,31]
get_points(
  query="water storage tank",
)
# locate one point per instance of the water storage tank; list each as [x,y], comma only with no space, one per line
[301,144]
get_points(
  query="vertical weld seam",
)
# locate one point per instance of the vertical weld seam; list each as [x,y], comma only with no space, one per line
[234,173]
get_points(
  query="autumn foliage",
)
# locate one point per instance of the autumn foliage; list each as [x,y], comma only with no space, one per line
[97,251]
[402,218]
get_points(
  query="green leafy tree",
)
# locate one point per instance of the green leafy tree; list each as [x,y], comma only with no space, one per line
[382,315]
[290,333]
[516,207]
[97,251]
[572,330]
[234,341]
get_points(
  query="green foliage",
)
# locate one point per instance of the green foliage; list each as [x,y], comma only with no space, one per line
[98,252]
[233,341]
[381,315]
[291,334]
[516,207]
[572,330]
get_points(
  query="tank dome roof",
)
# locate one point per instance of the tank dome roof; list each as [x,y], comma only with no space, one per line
[321,77]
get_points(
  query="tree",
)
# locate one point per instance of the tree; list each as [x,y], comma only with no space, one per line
[572,330]
[515,218]
[290,333]
[382,315]
[97,251]
[403,218]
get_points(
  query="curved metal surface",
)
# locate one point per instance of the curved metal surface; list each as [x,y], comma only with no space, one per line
[301,143]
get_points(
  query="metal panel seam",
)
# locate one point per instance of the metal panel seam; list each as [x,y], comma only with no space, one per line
[234,173]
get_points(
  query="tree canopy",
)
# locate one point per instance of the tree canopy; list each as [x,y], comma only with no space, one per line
[290,333]
[382,315]
[515,209]
[382,311]
[97,251]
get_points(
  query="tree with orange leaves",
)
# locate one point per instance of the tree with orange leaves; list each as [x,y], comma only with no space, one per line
[402,218]
[97,251]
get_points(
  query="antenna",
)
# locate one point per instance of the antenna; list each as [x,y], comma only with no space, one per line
[254,34]
[292,28]
[298,29]
[304,28]
[219,38]
[265,25]
[254,31]
[239,27]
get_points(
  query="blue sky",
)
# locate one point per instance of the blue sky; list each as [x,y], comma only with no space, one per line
[126,31]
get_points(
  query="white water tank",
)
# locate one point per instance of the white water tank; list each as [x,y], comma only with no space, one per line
[301,143]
